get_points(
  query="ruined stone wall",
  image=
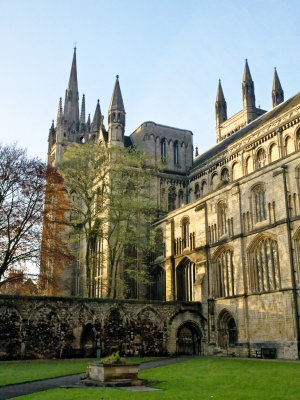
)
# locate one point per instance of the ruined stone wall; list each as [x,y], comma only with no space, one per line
[48,327]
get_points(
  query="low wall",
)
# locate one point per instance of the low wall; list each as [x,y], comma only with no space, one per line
[57,327]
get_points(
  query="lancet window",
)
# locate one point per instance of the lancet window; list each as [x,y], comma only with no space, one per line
[222,218]
[259,203]
[223,274]
[163,150]
[261,158]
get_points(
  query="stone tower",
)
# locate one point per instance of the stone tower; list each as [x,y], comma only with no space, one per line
[116,117]
[69,127]
[277,92]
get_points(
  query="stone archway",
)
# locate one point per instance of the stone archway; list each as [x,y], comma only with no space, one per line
[188,339]
[88,341]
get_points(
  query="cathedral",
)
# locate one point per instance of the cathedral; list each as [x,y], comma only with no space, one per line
[229,218]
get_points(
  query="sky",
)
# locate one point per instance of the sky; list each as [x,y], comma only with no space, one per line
[169,55]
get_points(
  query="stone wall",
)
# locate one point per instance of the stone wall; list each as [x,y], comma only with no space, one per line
[54,327]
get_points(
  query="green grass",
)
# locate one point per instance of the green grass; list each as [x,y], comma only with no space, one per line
[203,379]
[27,371]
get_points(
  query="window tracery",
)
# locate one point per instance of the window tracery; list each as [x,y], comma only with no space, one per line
[263,265]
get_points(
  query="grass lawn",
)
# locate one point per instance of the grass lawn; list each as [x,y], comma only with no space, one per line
[203,379]
[26,371]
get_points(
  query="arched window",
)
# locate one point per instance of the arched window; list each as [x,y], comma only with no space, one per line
[261,158]
[176,153]
[214,181]
[203,188]
[225,175]
[185,232]
[171,198]
[163,150]
[259,203]
[222,218]
[236,171]
[223,273]
[263,265]
[274,155]
[185,276]
[249,165]
[180,198]
[158,286]
[227,330]
[197,191]
[288,145]
[298,138]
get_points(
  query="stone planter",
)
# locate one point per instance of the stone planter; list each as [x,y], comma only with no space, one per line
[127,373]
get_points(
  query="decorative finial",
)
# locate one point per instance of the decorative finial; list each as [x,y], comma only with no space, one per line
[196,153]
[117,76]
[98,101]
[75,46]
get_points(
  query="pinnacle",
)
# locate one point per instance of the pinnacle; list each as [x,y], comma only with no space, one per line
[116,103]
[276,82]
[97,118]
[220,94]
[247,74]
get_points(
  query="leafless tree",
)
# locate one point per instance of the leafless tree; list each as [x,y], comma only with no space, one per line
[22,185]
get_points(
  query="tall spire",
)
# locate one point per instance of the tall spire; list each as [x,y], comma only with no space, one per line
[220,94]
[277,92]
[82,114]
[97,118]
[71,109]
[116,103]
[248,88]
[116,117]
[60,111]
[221,106]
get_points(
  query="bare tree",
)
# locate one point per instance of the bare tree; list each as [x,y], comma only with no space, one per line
[22,183]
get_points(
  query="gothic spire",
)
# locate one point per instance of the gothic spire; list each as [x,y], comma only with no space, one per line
[82,114]
[247,75]
[220,94]
[248,88]
[116,103]
[97,118]
[71,108]
[221,106]
[277,92]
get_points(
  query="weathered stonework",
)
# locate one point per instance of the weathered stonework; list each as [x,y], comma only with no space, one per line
[48,327]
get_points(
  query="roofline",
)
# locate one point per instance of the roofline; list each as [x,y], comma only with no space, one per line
[165,126]
[231,137]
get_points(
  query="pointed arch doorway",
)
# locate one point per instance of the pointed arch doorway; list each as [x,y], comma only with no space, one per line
[189,339]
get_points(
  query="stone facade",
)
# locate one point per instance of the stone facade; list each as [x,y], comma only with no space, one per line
[229,218]
[49,327]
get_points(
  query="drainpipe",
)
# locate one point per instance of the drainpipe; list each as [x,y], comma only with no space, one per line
[293,272]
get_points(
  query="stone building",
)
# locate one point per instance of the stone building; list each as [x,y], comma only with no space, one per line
[229,218]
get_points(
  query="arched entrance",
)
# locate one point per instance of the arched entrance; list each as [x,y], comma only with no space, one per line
[227,330]
[88,341]
[189,339]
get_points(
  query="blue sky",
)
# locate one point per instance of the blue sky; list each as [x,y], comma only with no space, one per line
[169,55]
